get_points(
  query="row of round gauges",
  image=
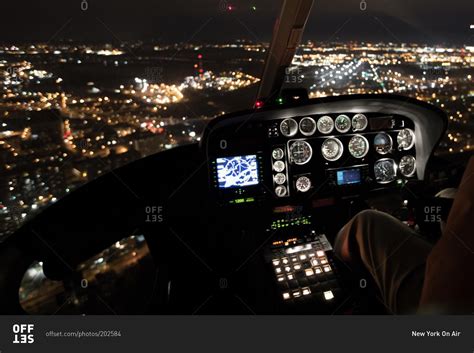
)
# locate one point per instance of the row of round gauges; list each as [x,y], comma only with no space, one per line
[325,125]
[300,151]
[385,169]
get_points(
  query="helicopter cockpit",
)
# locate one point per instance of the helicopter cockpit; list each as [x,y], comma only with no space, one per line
[245,220]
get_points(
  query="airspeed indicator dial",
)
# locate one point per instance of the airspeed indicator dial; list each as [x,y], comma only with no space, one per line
[358,146]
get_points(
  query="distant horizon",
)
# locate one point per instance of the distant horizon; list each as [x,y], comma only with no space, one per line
[217,42]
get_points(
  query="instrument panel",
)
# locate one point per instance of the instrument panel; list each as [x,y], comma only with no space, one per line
[336,147]
[343,150]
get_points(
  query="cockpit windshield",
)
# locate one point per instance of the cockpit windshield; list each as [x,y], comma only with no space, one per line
[398,47]
[87,92]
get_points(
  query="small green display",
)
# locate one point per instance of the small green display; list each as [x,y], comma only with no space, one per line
[290,222]
[242,200]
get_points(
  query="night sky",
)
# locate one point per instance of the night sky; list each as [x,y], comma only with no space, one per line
[422,21]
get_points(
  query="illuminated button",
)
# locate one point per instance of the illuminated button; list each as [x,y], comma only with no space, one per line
[286,296]
[294,259]
[290,276]
[297,267]
[311,254]
[296,294]
[324,261]
[287,268]
[327,268]
[278,270]
[309,272]
[306,291]
[285,260]
[276,262]
[318,270]
[281,278]
[328,295]
[303,257]
[279,166]
[320,253]
[314,262]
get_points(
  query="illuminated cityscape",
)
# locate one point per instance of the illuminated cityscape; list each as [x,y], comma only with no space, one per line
[71,112]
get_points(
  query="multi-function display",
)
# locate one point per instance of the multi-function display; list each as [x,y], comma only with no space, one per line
[238,171]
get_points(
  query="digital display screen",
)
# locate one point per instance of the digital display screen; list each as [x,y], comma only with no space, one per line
[348,177]
[238,171]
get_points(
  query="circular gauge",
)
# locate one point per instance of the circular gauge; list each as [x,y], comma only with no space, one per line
[307,126]
[358,146]
[385,170]
[278,153]
[383,143]
[343,123]
[405,139]
[289,127]
[332,149]
[359,122]
[303,184]
[300,152]
[279,166]
[325,124]
[407,166]
[279,178]
[280,191]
